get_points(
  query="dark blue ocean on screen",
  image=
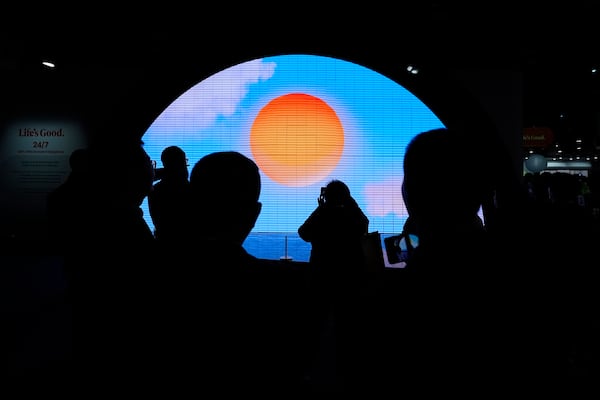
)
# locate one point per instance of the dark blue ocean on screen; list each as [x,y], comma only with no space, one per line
[273,246]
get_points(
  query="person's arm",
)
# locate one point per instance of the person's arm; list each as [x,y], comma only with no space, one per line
[309,228]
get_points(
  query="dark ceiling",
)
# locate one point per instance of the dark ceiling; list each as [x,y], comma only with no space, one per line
[486,34]
[553,45]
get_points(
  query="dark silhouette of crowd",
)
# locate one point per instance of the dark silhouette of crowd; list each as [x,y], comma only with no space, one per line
[471,303]
[97,229]
[562,224]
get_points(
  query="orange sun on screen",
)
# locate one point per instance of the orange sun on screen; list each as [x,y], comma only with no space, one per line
[297,139]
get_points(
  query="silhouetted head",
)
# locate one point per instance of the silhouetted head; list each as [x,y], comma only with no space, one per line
[444,178]
[225,188]
[124,171]
[173,157]
[174,161]
[336,193]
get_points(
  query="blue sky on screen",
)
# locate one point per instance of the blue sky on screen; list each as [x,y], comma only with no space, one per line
[378,117]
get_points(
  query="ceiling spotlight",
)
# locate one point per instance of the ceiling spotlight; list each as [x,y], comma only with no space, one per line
[412,69]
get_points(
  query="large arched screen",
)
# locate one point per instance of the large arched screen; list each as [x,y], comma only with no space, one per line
[305,120]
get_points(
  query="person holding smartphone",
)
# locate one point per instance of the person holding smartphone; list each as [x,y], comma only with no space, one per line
[451,309]
[334,230]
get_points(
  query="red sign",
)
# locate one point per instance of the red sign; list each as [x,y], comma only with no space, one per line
[541,137]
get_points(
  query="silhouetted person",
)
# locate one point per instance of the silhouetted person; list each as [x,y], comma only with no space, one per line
[67,207]
[448,317]
[168,202]
[443,200]
[237,320]
[114,284]
[337,268]
[62,202]
[67,210]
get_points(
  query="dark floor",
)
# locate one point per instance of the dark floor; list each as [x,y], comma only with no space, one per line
[35,316]
[36,325]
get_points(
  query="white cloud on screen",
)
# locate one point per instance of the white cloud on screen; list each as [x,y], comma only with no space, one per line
[385,198]
[219,94]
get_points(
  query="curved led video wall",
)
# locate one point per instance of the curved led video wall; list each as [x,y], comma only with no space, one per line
[305,120]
